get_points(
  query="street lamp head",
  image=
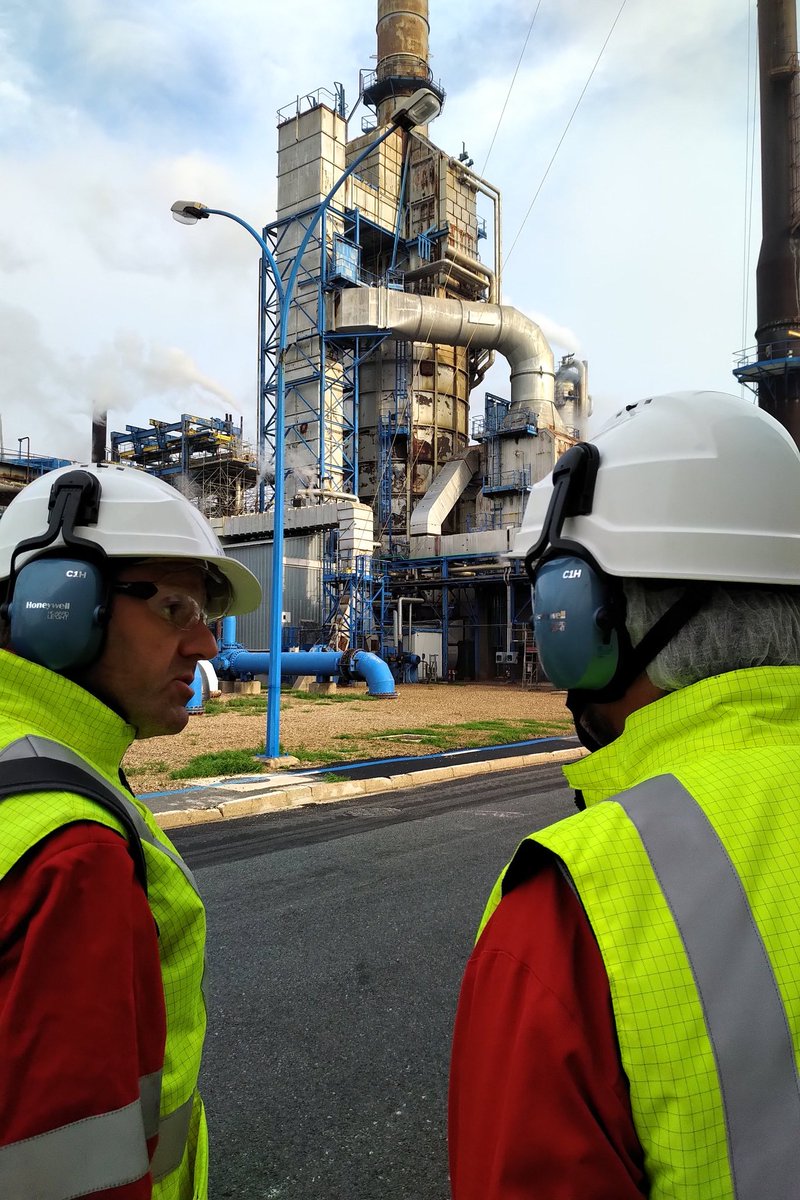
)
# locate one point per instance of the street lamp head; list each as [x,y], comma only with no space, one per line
[418,109]
[189,212]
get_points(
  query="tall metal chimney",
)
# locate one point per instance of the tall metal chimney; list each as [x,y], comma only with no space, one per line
[778,272]
[99,432]
[402,54]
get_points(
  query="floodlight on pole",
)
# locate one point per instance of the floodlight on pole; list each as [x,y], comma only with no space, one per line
[418,109]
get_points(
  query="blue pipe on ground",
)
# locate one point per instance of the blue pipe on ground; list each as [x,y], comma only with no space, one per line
[195,702]
[348,664]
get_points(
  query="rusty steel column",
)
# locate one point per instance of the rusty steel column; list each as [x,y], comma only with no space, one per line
[403,38]
[778,272]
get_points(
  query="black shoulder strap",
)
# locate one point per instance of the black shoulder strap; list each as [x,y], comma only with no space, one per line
[42,774]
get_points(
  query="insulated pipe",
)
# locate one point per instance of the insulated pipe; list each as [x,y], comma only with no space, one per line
[459,266]
[412,318]
[452,270]
[313,662]
[492,193]
[326,494]
[508,616]
[401,600]
[477,267]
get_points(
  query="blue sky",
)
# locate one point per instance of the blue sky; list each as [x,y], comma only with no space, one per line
[633,254]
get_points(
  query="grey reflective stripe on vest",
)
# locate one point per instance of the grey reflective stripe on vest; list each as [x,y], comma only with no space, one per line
[150,1098]
[172,1134]
[33,746]
[172,1129]
[75,1160]
[97,1152]
[739,994]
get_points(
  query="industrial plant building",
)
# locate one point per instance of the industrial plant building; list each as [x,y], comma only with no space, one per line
[399,507]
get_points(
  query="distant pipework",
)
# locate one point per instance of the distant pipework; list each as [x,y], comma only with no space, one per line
[778,272]
[347,665]
[402,31]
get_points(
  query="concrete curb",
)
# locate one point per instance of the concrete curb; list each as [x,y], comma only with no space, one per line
[299,795]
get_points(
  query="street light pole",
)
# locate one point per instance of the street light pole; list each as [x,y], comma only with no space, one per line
[417,109]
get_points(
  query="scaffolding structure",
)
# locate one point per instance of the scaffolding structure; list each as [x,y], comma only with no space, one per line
[206,458]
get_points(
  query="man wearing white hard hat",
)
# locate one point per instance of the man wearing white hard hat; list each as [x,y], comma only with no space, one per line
[109,579]
[629,1020]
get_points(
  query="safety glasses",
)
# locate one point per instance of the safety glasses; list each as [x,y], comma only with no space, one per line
[173,604]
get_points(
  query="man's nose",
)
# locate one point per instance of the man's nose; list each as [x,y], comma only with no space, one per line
[199,642]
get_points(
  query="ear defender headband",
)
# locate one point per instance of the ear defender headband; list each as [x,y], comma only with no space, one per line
[57,604]
[579,610]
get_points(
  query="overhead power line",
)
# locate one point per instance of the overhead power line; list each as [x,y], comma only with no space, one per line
[566,130]
[511,86]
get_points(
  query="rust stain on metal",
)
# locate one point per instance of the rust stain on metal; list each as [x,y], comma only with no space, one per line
[444,446]
[421,479]
[423,446]
[402,35]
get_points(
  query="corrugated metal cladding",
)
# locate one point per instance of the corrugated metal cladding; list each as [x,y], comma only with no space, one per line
[302,584]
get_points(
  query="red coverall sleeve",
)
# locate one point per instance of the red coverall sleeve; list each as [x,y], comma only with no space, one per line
[539,1103]
[82,1014]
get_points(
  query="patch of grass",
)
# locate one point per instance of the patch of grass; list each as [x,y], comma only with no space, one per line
[221,762]
[427,737]
[256,704]
[469,733]
[318,756]
[150,768]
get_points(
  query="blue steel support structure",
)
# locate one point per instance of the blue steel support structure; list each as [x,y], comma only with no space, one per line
[333,413]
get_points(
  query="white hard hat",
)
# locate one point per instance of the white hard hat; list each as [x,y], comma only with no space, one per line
[138,516]
[690,486]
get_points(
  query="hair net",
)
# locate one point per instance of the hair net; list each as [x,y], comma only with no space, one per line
[738,627]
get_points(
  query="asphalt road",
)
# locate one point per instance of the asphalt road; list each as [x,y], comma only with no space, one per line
[337,939]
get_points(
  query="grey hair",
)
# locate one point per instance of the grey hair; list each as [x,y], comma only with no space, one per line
[738,627]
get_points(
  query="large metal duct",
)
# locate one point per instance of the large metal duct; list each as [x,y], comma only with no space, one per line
[500,327]
[445,492]
[778,284]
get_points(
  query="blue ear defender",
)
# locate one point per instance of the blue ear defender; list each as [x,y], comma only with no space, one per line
[576,615]
[579,611]
[57,615]
[57,603]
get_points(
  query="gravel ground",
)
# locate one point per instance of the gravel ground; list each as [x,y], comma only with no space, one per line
[357,727]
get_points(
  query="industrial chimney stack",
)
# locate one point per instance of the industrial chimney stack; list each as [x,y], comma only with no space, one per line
[403,31]
[99,437]
[778,273]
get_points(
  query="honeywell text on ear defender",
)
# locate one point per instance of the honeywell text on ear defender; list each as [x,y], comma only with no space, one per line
[58,612]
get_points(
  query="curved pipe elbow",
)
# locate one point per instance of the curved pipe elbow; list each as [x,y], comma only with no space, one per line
[372,670]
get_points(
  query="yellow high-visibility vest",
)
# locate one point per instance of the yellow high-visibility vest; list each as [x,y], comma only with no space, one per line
[36,704]
[687,864]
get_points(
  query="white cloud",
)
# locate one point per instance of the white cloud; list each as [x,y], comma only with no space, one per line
[632,254]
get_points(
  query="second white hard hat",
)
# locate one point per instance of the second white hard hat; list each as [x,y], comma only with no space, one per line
[690,485]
